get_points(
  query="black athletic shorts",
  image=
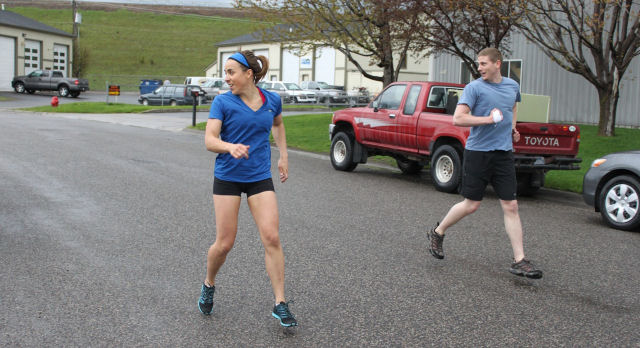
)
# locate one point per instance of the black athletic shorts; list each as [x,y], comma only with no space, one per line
[483,167]
[231,188]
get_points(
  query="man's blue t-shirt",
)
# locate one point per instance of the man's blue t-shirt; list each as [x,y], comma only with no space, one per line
[242,125]
[481,97]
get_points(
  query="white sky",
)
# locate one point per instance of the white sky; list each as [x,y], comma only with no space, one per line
[208,3]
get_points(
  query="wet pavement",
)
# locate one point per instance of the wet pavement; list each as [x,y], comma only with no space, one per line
[104,228]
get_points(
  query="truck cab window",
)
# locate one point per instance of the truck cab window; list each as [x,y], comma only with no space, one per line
[437,98]
[412,100]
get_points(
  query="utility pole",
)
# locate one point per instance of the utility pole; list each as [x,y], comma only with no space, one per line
[74,6]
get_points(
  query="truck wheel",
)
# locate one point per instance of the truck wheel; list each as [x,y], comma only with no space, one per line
[145,102]
[19,87]
[342,152]
[63,91]
[31,91]
[446,169]
[525,188]
[620,202]
[408,166]
[173,103]
[295,100]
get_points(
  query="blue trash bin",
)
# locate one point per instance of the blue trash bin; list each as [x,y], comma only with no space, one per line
[148,86]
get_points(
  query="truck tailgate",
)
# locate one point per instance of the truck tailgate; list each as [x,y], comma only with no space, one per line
[547,139]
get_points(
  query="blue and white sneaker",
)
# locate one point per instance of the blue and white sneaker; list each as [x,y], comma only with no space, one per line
[205,303]
[282,313]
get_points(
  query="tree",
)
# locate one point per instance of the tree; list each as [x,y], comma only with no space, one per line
[463,27]
[367,28]
[596,39]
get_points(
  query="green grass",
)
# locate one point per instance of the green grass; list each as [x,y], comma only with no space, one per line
[592,146]
[104,108]
[126,46]
[310,133]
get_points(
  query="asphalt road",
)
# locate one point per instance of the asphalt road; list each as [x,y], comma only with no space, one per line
[104,228]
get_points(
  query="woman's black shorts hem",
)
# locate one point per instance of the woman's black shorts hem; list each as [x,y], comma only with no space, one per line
[232,188]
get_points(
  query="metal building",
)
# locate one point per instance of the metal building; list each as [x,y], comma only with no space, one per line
[573,98]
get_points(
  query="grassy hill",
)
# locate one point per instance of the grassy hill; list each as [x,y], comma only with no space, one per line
[125,46]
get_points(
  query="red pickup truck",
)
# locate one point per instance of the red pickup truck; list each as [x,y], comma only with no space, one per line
[413,123]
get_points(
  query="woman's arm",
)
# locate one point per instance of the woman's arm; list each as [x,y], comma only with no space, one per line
[281,142]
[214,144]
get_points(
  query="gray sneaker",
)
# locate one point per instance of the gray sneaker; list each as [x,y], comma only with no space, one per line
[525,268]
[435,245]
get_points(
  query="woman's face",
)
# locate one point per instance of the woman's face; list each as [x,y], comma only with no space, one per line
[237,78]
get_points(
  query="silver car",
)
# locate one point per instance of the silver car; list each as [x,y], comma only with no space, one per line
[612,187]
[324,92]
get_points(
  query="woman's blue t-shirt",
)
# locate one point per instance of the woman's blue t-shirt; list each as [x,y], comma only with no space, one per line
[242,125]
[481,97]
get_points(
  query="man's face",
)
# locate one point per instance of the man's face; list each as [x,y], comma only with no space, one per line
[488,70]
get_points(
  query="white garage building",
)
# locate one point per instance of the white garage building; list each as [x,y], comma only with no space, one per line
[27,45]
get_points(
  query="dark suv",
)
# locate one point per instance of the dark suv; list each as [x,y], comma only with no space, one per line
[172,95]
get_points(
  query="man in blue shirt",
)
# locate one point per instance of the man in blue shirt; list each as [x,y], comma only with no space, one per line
[488,106]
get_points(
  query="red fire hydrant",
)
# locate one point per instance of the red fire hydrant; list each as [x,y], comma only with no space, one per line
[54,101]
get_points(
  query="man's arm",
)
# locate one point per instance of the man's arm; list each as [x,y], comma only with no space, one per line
[462,117]
[514,132]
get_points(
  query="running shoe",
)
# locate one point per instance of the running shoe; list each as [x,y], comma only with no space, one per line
[435,246]
[205,303]
[525,268]
[282,313]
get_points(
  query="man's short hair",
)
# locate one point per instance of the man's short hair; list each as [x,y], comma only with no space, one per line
[493,54]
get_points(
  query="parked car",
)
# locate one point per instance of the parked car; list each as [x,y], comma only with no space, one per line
[325,93]
[49,80]
[289,91]
[172,95]
[214,87]
[612,187]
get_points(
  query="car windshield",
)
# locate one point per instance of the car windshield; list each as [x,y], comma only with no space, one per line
[323,85]
[292,86]
[216,83]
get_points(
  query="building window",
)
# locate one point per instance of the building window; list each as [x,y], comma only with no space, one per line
[511,68]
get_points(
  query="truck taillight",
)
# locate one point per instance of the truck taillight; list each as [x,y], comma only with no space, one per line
[75,82]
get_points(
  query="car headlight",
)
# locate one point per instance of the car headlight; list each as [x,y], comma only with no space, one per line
[598,162]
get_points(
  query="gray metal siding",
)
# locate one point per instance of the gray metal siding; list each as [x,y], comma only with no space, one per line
[573,98]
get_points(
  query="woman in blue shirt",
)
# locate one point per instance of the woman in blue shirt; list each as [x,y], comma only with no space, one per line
[238,129]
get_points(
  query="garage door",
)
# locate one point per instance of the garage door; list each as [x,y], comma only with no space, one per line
[32,56]
[325,64]
[291,65]
[7,62]
[60,58]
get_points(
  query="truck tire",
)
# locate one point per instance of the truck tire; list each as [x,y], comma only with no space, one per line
[63,91]
[173,103]
[446,169]
[408,166]
[525,187]
[145,102]
[619,202]
[342,152]
[19,87]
